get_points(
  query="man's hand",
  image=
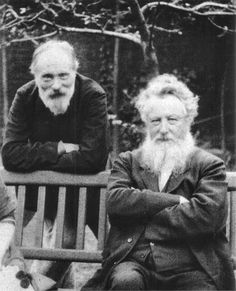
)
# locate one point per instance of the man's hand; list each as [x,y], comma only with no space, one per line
[70,147]
[66,147]
[182,200]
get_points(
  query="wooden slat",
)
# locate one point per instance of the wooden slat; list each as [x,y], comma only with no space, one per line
[231,178]
[61,255]
[20,215]
[81,218]
[60,217]
[102,219]
[40,216]
[228,216]
[232,221]
[54,178]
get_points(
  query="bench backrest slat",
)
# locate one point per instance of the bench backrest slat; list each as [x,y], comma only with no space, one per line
[20,209]
[54,178]
[40,216]
[60,217]
[232,222]
[102,219]
[81,218]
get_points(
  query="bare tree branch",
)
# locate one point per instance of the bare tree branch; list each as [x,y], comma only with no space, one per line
[162,29]
[224,28]
[220,9]
[30,38]
[129,37]
[138,15]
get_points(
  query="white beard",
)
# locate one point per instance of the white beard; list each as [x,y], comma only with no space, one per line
[167,156]
[58,105]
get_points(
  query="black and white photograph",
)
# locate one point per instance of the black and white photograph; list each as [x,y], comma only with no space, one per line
[117,145]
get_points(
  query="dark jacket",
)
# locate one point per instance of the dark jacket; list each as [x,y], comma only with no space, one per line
[32,132]
[135,203]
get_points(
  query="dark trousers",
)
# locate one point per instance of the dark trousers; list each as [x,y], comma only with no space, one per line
[131,275]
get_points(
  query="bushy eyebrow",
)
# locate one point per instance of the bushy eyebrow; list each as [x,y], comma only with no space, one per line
[47,75]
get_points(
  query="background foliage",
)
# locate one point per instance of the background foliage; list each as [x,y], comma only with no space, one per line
[171,35]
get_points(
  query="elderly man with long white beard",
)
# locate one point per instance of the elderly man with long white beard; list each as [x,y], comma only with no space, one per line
[167,204]
[58,122]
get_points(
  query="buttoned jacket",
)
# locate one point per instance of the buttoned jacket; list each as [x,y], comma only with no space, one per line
[135,204]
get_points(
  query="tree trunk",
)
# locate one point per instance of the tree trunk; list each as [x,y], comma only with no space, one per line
[222,109]
[116,87]
[150,66]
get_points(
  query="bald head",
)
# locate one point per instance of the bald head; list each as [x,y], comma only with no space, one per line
[53,50]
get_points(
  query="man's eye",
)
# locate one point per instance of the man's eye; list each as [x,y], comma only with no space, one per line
[47,78]
[173,120]
[64,76]
[156,121]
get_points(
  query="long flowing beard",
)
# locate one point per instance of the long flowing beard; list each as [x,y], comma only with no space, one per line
[57,105]
[167,156]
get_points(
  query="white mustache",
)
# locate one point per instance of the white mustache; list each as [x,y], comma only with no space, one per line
[56,95]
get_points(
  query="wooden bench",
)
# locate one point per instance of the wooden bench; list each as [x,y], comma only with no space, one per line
[45,178]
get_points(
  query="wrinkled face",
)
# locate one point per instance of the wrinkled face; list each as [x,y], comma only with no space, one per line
[166,120]
[54,75]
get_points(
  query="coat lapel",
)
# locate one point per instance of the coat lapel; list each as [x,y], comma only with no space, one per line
[150,181]
[174,181]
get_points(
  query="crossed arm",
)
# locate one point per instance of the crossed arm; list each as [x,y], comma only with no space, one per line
[19,153]
[204,213]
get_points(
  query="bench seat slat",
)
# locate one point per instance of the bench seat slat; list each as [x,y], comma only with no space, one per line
[62,254]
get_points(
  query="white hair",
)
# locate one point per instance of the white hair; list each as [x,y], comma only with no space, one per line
[163,85]
[54,45]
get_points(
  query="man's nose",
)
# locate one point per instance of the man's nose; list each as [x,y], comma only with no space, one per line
[56,84]
[163,127]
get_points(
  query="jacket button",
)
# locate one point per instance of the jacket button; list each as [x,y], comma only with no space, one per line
[115,263]
[129,240]
[142,255]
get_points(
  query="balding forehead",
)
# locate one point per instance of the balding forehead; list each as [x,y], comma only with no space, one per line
[51,54]
[53,59]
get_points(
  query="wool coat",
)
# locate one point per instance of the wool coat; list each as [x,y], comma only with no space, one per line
[33,132]
[135,204]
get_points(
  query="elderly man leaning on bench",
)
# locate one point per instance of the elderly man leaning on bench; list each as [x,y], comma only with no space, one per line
[58,122]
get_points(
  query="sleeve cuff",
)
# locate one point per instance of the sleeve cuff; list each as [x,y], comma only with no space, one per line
[61,148]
